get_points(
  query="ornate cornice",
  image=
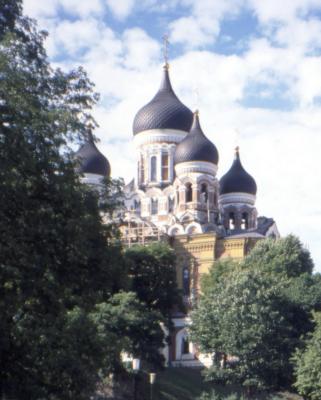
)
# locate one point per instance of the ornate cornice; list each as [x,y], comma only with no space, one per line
[159,136]
[236,198]
[195,166]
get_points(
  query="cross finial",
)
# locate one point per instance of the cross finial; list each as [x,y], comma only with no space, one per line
[165,49]
[237,153]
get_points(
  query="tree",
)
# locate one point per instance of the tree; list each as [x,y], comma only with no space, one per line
[286,256]
[256,310]
[10,10]
[59,264]
[307,362]
[245,318]
[153,274]
[131,327]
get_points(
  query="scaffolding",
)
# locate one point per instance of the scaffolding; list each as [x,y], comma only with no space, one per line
[137,231]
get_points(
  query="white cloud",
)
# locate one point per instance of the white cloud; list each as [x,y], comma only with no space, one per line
[280,149]
[40,9]
[120,8]
[70,38]
[308,86]
[50,8]
[202,26]
[82,8]
[274,10]
[198,33]
[140,49]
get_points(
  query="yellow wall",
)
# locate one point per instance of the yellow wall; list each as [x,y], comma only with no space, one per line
[199,251]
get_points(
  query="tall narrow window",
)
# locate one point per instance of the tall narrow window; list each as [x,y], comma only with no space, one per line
[165,162]
[204,193]
[137,205]
[185,345]
[153,169]
[142,170]
[215,199]
[171,203]
[186,282]
[231,221]
[188,193]
[244,222]
[154,207]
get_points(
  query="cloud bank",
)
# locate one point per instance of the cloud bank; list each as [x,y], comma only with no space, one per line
[256,66]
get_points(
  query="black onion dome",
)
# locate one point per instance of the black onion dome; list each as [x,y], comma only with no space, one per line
[91,161]
[196,146]
[164,111]
[237,179]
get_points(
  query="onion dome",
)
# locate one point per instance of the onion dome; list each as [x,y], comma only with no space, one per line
[196,146]
[164,111]
[237,180]
[91,160]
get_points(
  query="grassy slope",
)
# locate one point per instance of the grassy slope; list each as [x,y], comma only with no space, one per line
[187,384]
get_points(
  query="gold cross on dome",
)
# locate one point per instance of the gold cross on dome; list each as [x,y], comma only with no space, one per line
[165,48]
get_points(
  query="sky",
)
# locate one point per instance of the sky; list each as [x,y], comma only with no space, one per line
[251,67]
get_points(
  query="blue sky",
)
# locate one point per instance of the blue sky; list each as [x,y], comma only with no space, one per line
[255,64]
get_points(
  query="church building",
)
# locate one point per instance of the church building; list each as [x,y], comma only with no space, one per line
[176,196]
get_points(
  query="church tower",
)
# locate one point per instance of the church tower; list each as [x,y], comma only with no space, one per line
[237,198]
[196,160]
[157,128]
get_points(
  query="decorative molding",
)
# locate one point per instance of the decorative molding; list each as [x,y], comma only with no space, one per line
[92,179]
[237,198]
[195,166]
[158,136]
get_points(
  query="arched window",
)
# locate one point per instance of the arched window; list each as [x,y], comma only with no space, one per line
[153,169]
[137,205]
[171,202]
[142,170]
[154,206]
[204,193]
[188,193]
[185,345]
[231,221]
[165,175]
[186,282]
[245,221]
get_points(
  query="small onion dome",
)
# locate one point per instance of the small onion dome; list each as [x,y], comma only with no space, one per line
[196,146]
[237,180]
[164,111]
[91,161]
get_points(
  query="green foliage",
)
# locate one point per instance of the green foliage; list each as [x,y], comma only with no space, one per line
[217,274]
[213,395]
[245,318]
[153,275]
[286,256]
[130,326]
[257,311]
[10,11]
[308,364]
[59,264]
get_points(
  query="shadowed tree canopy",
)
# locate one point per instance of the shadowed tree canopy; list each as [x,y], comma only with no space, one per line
[59,263]
[307,363]
[153,276]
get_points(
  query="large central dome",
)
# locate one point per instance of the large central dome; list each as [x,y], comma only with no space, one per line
[164,111]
